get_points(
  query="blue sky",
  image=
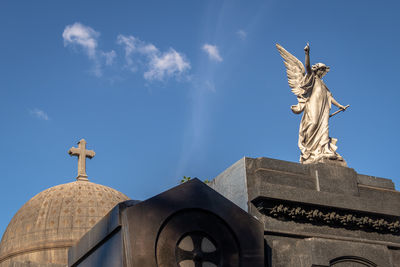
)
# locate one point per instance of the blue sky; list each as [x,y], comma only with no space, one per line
[162,89]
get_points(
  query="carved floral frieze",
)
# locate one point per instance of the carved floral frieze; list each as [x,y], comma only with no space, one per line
[334,217]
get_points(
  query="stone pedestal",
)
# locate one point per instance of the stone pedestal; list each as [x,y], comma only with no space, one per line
[319,214]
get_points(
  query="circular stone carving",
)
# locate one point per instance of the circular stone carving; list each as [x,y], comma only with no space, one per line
[197,249]
[196,238]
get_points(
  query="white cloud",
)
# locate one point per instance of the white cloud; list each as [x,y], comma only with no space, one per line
[165,65]
[156,65]
[134,45]
[86,38]
[212,51]
[241,34]
[39,114]
[159,65]
[78,34]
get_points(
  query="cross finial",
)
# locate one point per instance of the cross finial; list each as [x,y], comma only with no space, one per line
[82,154]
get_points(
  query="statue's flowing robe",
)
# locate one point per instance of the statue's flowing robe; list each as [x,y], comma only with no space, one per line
[314,141]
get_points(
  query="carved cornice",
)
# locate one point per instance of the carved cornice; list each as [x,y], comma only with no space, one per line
[330,216]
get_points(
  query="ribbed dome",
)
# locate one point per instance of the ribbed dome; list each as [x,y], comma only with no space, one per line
[53,220]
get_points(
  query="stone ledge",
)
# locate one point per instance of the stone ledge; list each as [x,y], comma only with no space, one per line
[375,181]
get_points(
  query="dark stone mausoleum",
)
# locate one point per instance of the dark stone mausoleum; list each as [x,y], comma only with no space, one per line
[258,212]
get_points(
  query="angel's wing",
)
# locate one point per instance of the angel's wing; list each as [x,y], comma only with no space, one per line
[294,69]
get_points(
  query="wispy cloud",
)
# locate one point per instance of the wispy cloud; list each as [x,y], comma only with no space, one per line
[39,114]
[78,34]
[109,57]
[128,42]
[133,45]
[84,37]
[212,51]
[241,34]
[155,65]
[159,65]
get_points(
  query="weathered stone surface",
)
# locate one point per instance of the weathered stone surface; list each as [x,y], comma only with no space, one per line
[309,252]
[232,184]
[395,257]
[375,181]
[334,179]
[52,221]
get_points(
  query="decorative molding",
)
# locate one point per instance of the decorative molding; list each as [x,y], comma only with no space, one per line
[352,259]
[330,216]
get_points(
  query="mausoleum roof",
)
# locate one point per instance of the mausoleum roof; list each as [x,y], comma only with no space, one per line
[53,220]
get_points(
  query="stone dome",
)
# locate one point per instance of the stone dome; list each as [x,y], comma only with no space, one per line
[52,221]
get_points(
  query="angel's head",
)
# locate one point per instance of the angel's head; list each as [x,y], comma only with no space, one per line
[320,69]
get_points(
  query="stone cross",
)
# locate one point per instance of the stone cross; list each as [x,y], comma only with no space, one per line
[82,154]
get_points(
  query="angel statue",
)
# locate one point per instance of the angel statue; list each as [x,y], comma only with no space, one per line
[314,100]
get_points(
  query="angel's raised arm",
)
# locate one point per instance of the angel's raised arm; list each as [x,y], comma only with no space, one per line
[307,50]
